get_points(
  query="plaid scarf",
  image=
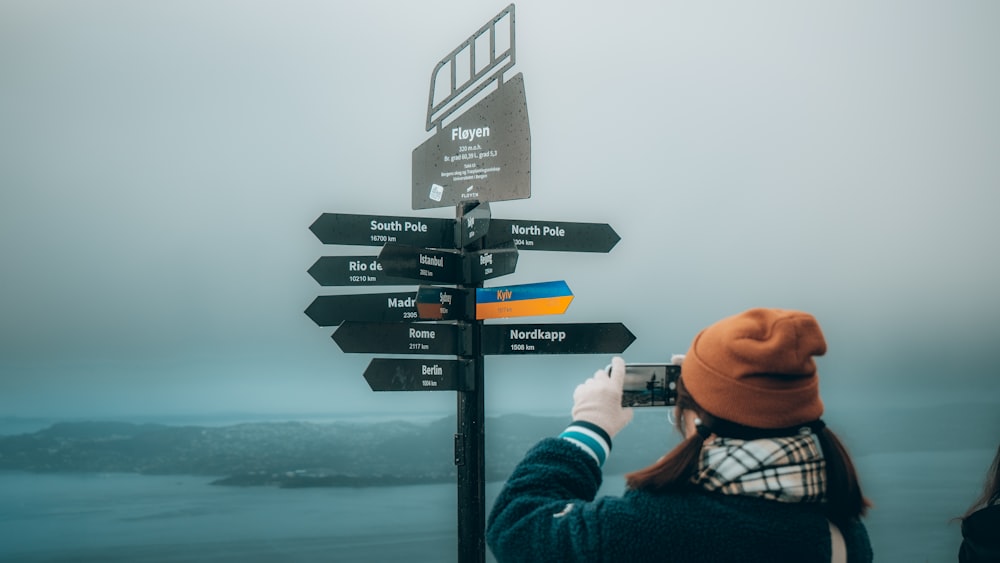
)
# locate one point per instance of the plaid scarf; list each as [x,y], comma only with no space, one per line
[786,469]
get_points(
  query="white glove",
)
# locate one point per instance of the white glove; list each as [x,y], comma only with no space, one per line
[598,400]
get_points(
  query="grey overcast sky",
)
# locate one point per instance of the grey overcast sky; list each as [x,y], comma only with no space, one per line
[161,162]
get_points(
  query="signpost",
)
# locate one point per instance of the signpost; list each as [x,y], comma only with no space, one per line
[475,224]
[547,298]
[331,310]
[376,230]
[569,338]
[498,260]
[402,338]
[419,375]
[557,235]
[443,303]
[353,271]
[483,155]
[416,263]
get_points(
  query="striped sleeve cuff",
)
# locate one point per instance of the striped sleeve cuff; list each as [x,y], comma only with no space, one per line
[591,438]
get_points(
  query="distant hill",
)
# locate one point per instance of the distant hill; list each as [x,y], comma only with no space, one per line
[285,453]
[294,454]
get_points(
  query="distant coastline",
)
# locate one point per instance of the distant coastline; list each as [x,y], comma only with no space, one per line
[386,450]
[288,454]
[304,480]
[13,425]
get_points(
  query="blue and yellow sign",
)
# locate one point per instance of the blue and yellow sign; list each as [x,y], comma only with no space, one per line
[545,298]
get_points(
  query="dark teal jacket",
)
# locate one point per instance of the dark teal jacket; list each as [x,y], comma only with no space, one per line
[981,536]
[547,512]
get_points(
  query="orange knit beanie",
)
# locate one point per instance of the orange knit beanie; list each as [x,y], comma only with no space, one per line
[756,368]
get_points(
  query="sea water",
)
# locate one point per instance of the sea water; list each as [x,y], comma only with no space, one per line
[128,517]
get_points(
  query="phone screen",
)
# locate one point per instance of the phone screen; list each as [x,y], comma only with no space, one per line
[650,385]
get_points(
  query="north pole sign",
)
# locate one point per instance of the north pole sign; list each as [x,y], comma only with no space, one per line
[556,235]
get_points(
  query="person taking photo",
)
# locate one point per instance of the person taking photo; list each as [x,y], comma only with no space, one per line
[758,477]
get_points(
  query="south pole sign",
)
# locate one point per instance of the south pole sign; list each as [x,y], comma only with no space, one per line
[479,152]
[377,230]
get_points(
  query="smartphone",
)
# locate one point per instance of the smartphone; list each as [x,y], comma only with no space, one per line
[650,385]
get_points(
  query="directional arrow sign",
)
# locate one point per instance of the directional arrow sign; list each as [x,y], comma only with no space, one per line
[492,262]
[376,230]
[443,303]
[554,235]
[402,338]
[331,310]
[384,374]
[570,338]
[474,224]
[353,270]
[546,298]
[442,266]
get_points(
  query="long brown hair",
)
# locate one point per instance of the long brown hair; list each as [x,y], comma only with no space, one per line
[674,471]
[991,488]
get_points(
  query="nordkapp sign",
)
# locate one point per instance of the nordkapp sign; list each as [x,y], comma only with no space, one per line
[483,155]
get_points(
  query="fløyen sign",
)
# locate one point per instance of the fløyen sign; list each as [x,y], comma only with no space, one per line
[475,224]
[483,155]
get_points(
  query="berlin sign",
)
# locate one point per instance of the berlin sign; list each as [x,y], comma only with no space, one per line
[389,374]
[353,270]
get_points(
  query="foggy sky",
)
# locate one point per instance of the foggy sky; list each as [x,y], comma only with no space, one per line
[160,164]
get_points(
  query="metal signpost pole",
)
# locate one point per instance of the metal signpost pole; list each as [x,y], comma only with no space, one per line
[470,443]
